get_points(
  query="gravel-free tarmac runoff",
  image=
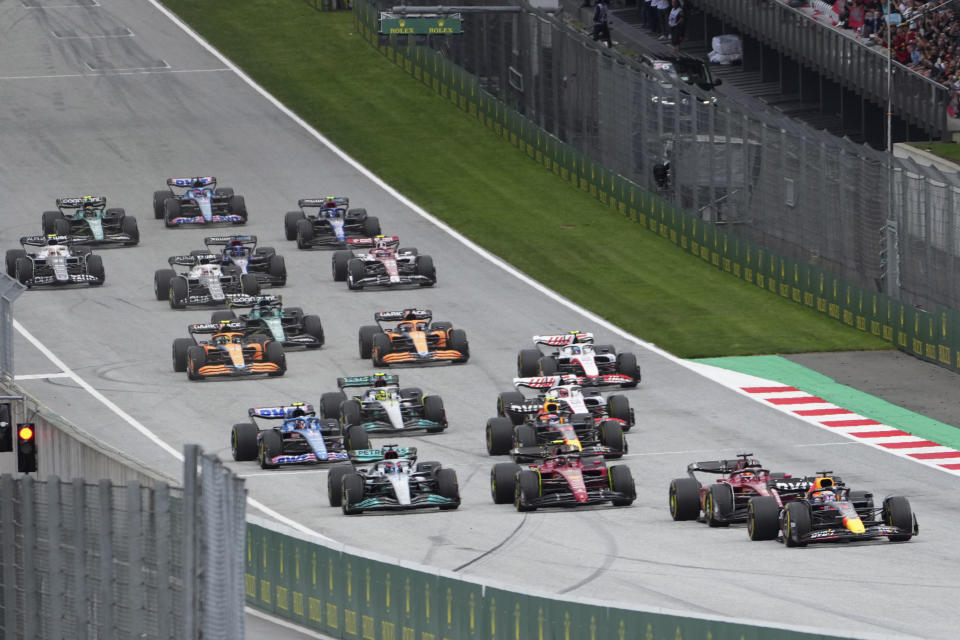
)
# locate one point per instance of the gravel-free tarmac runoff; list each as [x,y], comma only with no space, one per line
[113,98]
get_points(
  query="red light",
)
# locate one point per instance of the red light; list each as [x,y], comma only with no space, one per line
[25,433]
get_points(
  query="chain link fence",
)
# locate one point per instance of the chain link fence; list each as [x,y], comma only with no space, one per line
[881,223]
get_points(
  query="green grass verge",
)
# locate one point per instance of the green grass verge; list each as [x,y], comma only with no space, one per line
[946,150]
[445,161]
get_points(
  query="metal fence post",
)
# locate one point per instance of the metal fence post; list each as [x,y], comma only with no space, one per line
[10,290]
[191,594]
[8,552]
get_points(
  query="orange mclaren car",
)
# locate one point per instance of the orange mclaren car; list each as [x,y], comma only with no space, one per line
[228,353]
[414,339]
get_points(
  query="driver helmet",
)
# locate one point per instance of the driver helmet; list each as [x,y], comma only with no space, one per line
[748,475]
[235,248]
[551,419]
[221,339]
[52,241]
[388,467]
[575,350]
[300,424]
[823,496]
[563,393]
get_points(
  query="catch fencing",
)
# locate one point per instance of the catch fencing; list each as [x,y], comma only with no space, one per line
[794,211]
[10,290]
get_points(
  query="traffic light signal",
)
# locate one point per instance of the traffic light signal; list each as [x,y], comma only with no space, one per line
[26,448]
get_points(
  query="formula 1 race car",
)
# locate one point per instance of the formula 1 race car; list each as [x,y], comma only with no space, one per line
[384,406]
[565,477]
[395,482]
[383,265]
[228,353]
[549,426]
[575,353]
[328,222]
[415,339]
[204,283]
[728,499]
[829,511]
[300,438]
[269,319]
[570,397]
[188,201]
[240,255]
[86,220]
[54,264]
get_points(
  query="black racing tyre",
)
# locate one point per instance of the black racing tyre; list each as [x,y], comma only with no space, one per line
[547,366]
[61,227]
[428,465]
[605,348]
[24,269]
[48,219]
[503,477]
[381,347]
[273,352]
[627,366]
[499,435]
[356,438]
[413,393]
[621,481]
[243,441]
[277,268]
[861,499]
[352,492]
[505,400]
[371,226]
[118,213]
[763,518]
[457,341]
[335,482]
[527,489]
[238,207]
[271,446]
[180,348]
[366,340]
[128,225]
[312,326]
[290,221]
[171,211]
[425,268]
[433,411]
[249,284]
[718,505]
[441,325]
[196,358]
[619,407]
[410,251]
[897,513]
[95,269]
[356,271]
[304,234]
[351,412]
[796,523]
[222,314]
[223,192]
[524,436]
[358,213]
[684,499]
[12,256]
[338,264]
[296,312]
[611,435]
[330,404]
[159,197]
[448,487]
[528,363]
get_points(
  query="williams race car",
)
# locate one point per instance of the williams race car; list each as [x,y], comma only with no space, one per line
[55,263]
[204,283]
[86,220]
[829,511]
[228,353]
[240,255]
[565,477]
[189,201]
[569,395]
[576,354]
[383,265]
[384,406]
[328,222]
[414,339]
[300,438]
[269,319]
[552,426]
[395,482]
[728,498]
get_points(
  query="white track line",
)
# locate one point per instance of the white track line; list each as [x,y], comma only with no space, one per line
[41,376]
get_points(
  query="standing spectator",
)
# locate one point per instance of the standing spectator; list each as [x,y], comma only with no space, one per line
[601,27]
[663,14]
[677,23]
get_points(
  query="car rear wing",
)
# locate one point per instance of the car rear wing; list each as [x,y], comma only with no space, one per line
[604,380]
[79,203]
[192,261]
[367,381]
[390,241]
[283,412]
[546,382]
[253,301]
[330,202]
[363,456]
[405,314]
[216,327]
[564,339]
[42,241]
[223,241]
[192,183]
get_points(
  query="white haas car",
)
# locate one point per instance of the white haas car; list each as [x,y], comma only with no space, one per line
[575,353]
[570,397]
[54,263]
[382,265]
[204,283]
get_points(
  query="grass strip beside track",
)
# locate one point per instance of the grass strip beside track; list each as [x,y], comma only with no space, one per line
[443,159]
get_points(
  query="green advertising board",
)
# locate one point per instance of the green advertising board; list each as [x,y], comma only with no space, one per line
[393,25]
